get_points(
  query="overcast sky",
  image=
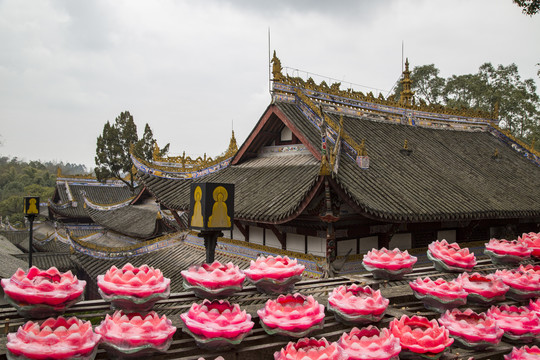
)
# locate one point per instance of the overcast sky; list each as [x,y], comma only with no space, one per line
[191,68]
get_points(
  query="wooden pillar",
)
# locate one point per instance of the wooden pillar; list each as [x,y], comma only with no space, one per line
[384,240]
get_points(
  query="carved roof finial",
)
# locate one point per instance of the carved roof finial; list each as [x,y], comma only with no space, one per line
[406,150]
[155,152]
[335,152]
[362,148]
[276,68]
[233,146]
[406,96]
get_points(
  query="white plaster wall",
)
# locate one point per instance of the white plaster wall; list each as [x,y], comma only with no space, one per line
[401,241]
[343,246]
[256,235]
[272,240]
[316,246]
[295,242]
[237,235]
[227,234]
[368,243]
[449,235]
[286,134]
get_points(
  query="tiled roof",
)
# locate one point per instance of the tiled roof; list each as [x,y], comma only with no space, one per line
[73,206]
[449,174]
[9,265]
[266,189]
[8,247]
[138,221]
[44,261]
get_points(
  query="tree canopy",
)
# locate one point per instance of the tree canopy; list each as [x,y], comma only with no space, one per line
[529,7]
[34,178]
[517,100]
[113,157]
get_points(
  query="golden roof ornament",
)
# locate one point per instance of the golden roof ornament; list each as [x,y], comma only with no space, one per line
[233,146]
[186,163]
[361,150]
[334,154]
[155,151]
[325,166]
[276,68]
[406,98]
[406,150]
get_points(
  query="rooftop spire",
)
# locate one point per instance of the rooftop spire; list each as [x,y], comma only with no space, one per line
[406,94]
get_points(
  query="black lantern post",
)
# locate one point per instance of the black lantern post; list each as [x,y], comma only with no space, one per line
[211,211]
[31,210]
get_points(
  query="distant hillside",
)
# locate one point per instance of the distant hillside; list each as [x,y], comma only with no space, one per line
[20,178]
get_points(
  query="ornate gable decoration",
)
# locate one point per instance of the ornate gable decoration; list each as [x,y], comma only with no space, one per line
[184,167]
[403,110]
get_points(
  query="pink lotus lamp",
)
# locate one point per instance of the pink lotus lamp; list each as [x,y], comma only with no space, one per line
[450,257]
[472,330]
[357,305]
[134,334]
[534,306]
[483,289]
[212,281]
[133,289]
[370,343]
[55,338]
[217,324]
[389,264]
[524,282]
[310,349]
[507,252]
[39,294]
[519,323]
[524,353]
[274,275]
[439,295]
[532,240]
[292,315]
[420,336]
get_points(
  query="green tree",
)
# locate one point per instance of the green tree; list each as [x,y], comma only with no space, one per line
[113,158]
[145,146]
[19,178]
[426,83]
[517,99]
[519,103]
[529,7]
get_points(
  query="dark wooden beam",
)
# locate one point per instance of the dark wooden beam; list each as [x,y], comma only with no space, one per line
[281,236]
[243,230]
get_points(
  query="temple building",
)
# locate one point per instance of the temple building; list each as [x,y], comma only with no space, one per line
[83,206]
[327,171]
